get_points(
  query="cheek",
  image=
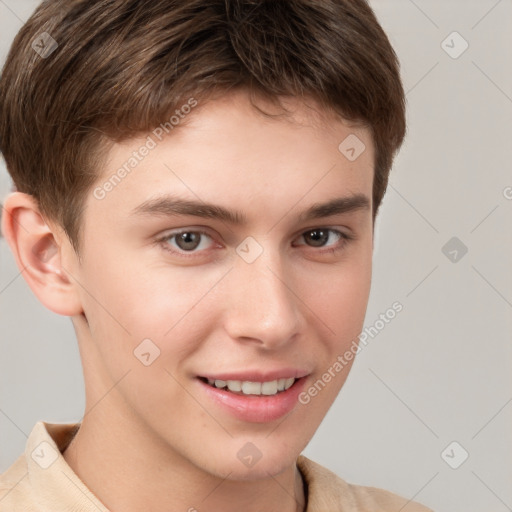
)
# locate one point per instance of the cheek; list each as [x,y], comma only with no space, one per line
[129,303]
[162,302]
[340,297]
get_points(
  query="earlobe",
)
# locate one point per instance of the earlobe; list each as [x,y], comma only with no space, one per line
[38,250]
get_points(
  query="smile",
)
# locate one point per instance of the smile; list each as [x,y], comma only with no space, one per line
[246,387]
[252,397]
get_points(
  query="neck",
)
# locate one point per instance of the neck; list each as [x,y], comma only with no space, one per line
[128,469]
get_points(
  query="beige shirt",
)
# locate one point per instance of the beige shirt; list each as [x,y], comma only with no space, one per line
[40,480]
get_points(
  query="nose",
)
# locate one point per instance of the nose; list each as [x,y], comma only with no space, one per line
[262,306]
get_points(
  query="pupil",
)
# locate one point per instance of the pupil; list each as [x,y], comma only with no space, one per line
[188,240]
[319,237]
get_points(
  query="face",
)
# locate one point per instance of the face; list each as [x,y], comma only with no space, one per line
[201,315]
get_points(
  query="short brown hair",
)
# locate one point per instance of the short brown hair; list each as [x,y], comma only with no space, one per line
[120,68]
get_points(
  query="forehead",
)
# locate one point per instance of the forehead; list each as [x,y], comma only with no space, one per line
[227,151]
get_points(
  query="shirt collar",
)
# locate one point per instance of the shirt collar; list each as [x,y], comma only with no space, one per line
[51,477]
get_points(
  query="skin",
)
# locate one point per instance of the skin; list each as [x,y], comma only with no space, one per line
[150,439]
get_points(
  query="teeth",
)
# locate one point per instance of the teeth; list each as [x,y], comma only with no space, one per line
[234,385]
[269,388]
[288,383]
[251,388]
[254,388]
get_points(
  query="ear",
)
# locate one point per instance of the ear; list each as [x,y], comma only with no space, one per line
[38,250]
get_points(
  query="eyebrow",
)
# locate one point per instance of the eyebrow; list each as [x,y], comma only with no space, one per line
[169,205]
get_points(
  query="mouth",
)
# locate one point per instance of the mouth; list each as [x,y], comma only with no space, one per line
[247,387]
[259,399]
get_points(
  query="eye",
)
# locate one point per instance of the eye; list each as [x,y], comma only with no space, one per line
[186,241]
[318,237]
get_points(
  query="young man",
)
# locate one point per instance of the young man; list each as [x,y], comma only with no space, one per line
[196,187]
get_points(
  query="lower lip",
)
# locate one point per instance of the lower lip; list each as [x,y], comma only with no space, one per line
[256,408]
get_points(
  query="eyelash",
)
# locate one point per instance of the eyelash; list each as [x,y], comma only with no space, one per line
[163,241]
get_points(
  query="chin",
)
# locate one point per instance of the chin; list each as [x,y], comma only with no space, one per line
[249,464]
[260,471]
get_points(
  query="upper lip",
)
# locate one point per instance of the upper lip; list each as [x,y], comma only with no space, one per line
[258,375]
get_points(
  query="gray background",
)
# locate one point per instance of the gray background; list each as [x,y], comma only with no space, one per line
[440,371]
